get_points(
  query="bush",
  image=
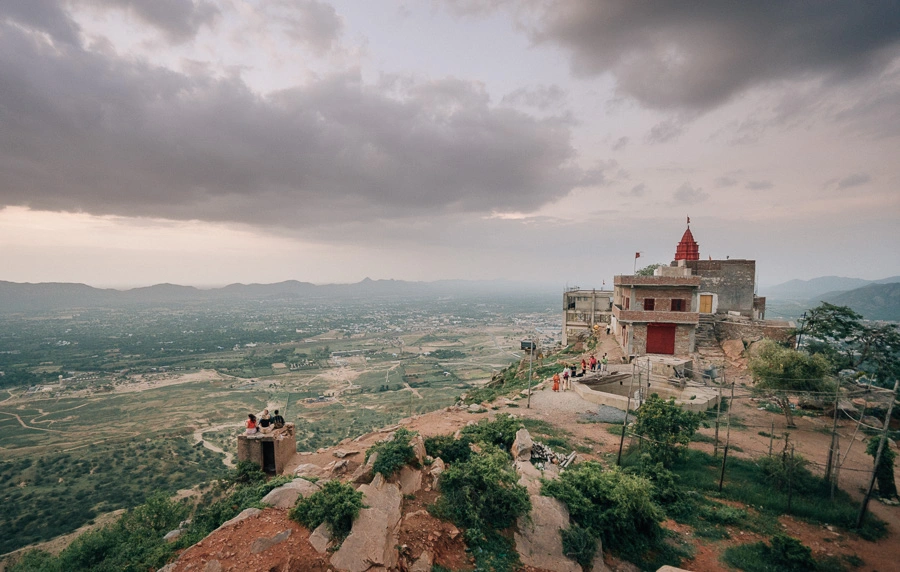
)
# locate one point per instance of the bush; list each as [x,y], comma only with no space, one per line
[579,545]
[884,472]
[784,554]
[782,472]
[501,431]
[450,450]
[667,427]
[482,494]
[246,473]
[614,506]
[393,454]
[337,504]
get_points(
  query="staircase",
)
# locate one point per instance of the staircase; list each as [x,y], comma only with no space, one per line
[707,346]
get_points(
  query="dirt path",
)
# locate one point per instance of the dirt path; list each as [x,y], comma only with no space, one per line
[228,461]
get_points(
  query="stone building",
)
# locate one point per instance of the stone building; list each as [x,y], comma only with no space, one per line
[676,309]
[271,451]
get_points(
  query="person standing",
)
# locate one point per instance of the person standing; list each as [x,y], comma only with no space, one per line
[593,362]
[555,382]
[604,363]
[583,366]
[566,375]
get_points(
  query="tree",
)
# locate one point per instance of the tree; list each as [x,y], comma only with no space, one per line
[784,371]
[648,270]
[842,336]
[668,428]
[884,472]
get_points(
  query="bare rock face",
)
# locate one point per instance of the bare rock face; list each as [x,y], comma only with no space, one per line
[287,494]
[263,544]
[598,565]
[734,349]
[436,470]
[410,480]
[246,513]
[320,538]
[521,447]
[538,542]
[372,540]
[418,445]
[308,470]
[423,563]
[364,473]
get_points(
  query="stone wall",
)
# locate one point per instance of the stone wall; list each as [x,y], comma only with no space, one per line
[732,281]
[779,331]
[284,444]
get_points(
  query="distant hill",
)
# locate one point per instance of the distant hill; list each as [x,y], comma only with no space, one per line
[17,297]
[874,301]
[807,289]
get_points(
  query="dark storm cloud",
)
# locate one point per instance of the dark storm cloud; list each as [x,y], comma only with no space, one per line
[696,55]
[314,24]
[854,180]
[542,97]
[759,185]
[178,19]
[84,131]
[689,195]
[44,15]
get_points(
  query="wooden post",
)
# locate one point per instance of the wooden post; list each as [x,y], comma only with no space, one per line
[625,422]
[837,393]
[727,439]
[771,437]
[790,480]
[887,422]
[718,413]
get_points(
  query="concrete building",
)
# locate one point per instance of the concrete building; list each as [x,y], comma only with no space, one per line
[271,451]
[657,314]
[584,309]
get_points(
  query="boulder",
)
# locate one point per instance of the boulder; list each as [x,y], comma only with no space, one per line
[598,564]
[410,480]
[872,422]
[436,470]
[244,514]
[529,476]
[418,445]
[372,540]
[173,535]
[340,453]
[521,447]
[423,563]
[308,470]
[476,408]
[734,349]
[263,544]
[364,473]
[287,494]
[538,540]
[320,538]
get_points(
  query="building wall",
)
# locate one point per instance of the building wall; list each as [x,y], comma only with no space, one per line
[684,339]
[732,281]
[754,331]
[663,297]
[582,309]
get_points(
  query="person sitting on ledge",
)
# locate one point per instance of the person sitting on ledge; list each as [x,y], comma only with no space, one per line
[264,421]
[277,420]
[252,429]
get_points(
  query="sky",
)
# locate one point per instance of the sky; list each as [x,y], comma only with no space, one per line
[206,142]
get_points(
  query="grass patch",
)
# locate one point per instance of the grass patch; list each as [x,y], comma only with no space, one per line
[746,482]
[782,554]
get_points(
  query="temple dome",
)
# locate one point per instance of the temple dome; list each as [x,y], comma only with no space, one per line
[687,249]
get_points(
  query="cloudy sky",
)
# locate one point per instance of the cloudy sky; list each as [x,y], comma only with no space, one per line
[214,141]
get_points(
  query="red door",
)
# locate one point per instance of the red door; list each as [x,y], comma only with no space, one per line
[661,339]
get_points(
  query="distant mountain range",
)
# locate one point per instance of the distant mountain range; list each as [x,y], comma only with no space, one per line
[17,297]
[873,299]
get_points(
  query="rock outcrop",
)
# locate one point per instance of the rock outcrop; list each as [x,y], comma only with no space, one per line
[286,495]
[521,447]
[538,541]
[372,540]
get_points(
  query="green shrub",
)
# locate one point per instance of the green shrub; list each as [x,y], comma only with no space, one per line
[782,472]
[393,454]
[884,472]
[501,431]
[246,473]
[482,494]
[337,504]
[783,554]
[450,450]
[579,545]
[614,506]
[667,427]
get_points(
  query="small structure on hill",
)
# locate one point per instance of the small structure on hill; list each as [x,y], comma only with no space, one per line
[271,451]
[585,309]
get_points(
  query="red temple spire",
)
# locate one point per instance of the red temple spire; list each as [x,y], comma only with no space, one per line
[687,249]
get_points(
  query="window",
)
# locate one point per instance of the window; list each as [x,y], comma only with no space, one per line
[649,304]
[678,305]
[627,302]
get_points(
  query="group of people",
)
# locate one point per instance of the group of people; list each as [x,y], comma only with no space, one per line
[264,423]
[564,381]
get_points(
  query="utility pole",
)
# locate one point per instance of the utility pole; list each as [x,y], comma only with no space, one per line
[718,413]
[887,421]
[771,437]
[727,440]
[530,361]
[625,422]
[837,393]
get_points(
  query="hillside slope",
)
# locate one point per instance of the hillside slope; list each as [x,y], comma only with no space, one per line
[874,302]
